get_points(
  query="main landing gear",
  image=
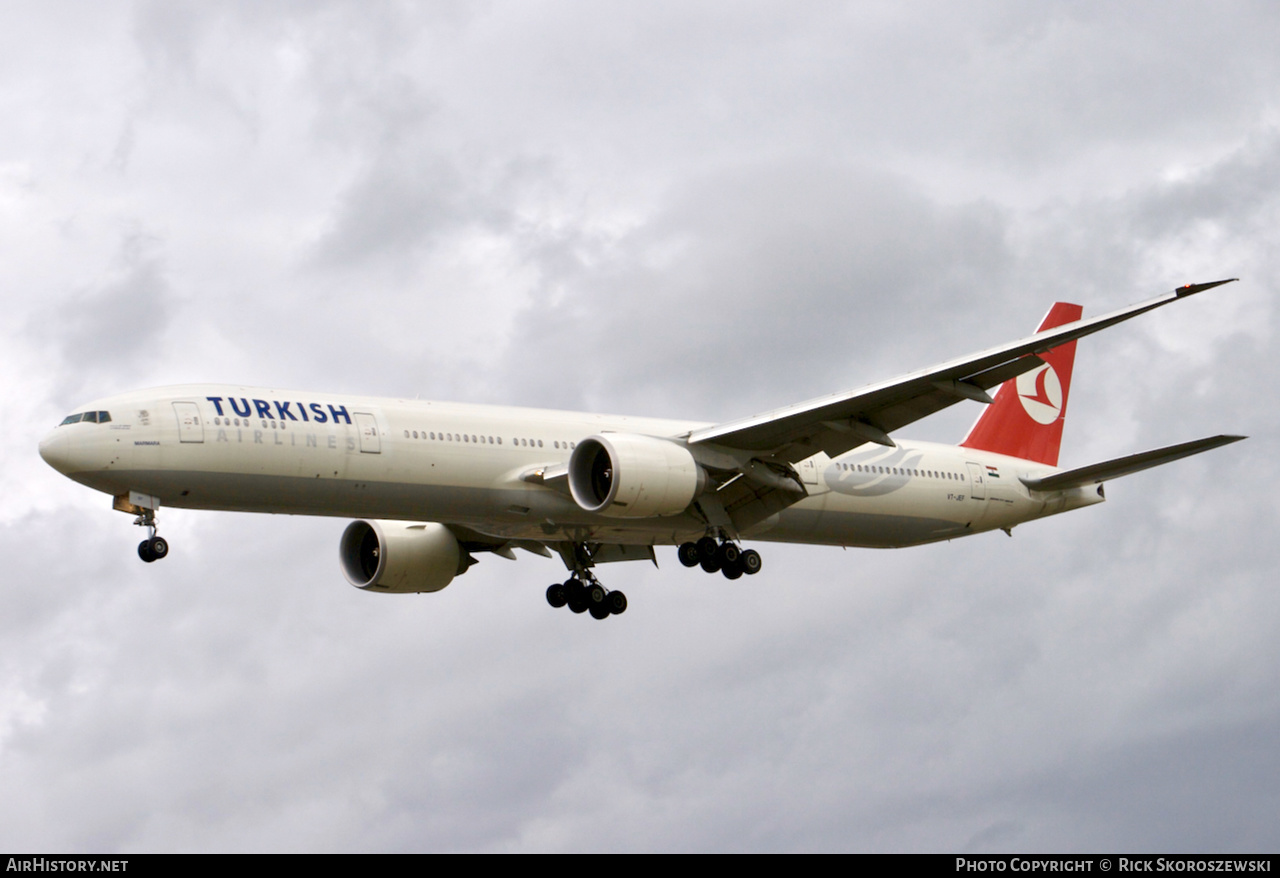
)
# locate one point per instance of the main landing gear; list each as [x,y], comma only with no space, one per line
[587,596]
[582,592]
[154,547]
[722,556]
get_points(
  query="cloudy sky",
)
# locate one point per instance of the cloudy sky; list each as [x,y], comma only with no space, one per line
[671,209]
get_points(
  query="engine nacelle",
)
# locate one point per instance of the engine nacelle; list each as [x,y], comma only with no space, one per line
[623,475]
[399,557]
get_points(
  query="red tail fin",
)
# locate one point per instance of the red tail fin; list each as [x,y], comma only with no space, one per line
[1026,418]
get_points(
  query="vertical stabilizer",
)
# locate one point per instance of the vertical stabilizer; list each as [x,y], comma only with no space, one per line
[1027,416]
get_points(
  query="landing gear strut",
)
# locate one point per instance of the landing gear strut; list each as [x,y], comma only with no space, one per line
[583,593]
[723,556]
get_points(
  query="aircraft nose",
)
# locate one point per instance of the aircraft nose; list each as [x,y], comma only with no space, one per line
[55,448]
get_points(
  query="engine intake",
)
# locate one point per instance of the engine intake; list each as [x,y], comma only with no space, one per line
[623,475]
[398,557]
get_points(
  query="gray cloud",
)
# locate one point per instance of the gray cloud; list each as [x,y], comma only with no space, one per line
[115,327]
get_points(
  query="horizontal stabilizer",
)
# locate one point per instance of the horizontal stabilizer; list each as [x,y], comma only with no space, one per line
[1123,466]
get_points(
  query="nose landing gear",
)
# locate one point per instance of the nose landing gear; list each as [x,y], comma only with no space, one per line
[154,547]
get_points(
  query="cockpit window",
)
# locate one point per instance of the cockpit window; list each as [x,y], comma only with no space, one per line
[89,417]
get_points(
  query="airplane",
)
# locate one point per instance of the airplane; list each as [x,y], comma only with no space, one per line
[432,484]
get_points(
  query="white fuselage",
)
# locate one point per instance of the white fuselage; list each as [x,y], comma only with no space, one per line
[257,450]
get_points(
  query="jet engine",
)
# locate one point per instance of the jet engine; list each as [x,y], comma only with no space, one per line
[397,557]
[623,475]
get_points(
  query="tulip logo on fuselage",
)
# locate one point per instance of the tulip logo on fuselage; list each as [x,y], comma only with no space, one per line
[1040,392]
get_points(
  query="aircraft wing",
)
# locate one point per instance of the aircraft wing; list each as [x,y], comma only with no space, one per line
[843,421]
[1123,466]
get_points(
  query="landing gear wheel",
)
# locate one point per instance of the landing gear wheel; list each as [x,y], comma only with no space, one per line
[159,547]
[617,602]
[144,551]
[707,548]
[556,595]
[750,562]
[727,555]
[596,595]
[599,611]
[711,565]
[576,596]
[732,571]
[688,554]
